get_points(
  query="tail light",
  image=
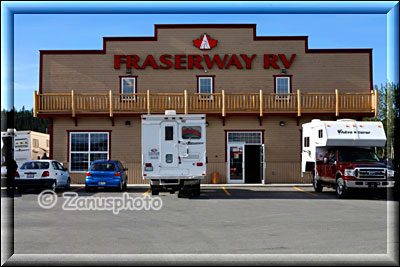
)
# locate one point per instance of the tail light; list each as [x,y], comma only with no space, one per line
[199,163]
[16,174]
[45,174]
[88,174]
[148,167]
[117,174]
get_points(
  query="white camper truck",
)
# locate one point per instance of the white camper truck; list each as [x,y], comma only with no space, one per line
[339,154]
[174,152]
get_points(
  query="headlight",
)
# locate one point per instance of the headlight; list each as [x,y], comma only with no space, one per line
[390,173]
[349,172]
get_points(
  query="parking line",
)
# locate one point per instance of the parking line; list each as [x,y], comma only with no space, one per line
[145,193]
[226,191]
[304,191]
[76,189]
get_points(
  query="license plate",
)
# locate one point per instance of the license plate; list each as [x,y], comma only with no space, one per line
[373,184]
[102,183]
[29,175]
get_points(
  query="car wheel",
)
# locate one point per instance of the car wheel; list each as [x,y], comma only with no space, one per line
[121,187]
[88,189]
[53,186]
[126,183]
[341,190]
[68,185]
[317,184]
[154,192]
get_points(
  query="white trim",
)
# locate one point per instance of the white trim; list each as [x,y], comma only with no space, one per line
[89,151]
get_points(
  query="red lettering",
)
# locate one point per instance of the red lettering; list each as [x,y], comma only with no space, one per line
[271,62]
[216,59]
[195,60]
[150,62]
[234,61]
[179,61]
[165,59]
[118,59]
[248,60]
[284,60]
[130,62]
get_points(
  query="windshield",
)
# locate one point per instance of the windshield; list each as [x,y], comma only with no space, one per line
[35,165]
[354,155]
[103,167]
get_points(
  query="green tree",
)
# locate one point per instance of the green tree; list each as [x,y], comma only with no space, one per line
[387,115]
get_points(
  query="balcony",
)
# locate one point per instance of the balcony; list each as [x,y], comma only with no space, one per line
[222,104]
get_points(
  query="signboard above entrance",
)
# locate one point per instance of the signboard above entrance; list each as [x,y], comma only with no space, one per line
[226,61]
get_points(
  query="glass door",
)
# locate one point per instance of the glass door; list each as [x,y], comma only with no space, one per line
[236,163]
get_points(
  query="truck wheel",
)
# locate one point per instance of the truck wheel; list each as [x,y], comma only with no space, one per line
[341,190]
[317,184]
[154,192]
[196,190]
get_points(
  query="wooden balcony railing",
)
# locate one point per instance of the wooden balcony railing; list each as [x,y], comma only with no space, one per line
[223,103]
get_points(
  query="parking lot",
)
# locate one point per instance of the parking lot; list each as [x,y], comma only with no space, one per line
[239,220]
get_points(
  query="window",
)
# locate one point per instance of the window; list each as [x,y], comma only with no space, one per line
[128,87]
[103,167]
[35,165]
[246,137]
[320,134]
[282,86]
[86,148]
[35,142]
[205,86]
[169,133]
[191,132]
[332,157]
[169,158]
[306,141]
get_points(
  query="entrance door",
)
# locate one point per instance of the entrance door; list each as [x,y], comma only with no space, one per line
[254,165]
[169,145]
[236,167]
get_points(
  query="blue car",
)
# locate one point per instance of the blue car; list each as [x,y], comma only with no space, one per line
[106,173]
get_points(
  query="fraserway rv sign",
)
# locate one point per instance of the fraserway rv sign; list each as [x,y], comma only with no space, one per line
[168,61]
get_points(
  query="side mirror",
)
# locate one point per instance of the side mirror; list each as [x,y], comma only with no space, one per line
[65,169]
[325,160]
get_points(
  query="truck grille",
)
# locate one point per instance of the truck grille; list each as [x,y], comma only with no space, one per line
[371,173]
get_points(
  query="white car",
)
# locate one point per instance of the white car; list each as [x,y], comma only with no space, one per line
[42,174]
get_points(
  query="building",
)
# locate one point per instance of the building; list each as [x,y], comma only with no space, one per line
[29,145]
[256,91]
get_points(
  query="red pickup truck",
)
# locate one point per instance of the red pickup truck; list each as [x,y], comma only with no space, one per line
[347,168]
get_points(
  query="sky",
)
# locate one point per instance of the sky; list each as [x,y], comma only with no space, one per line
[63,31]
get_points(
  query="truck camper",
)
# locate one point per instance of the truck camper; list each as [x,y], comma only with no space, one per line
[340,155]
[174,152]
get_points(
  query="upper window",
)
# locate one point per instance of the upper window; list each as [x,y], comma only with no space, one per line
[86,148]
[169,133]
[282,86]
[206,86]
[191,132]
[306,141]
[128,88]
[320,134]
[35,142]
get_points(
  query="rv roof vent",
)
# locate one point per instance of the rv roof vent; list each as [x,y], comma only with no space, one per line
[170,112]
[346,120]
[315,120]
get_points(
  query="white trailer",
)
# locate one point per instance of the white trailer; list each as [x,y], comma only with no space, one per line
[174,152]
